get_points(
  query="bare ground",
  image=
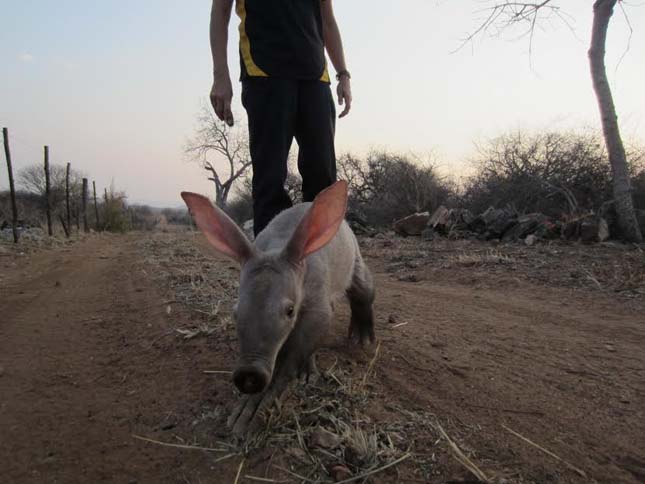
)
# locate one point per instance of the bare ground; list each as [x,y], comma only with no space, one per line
[522,364]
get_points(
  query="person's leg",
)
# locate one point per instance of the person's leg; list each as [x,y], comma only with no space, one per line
[271,108]
[315,127]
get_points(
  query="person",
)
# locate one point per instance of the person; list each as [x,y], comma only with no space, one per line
[285,91]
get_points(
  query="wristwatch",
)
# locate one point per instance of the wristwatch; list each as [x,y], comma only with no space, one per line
[343,73]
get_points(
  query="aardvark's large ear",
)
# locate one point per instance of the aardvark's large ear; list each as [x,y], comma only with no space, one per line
[320,223]
[219,229]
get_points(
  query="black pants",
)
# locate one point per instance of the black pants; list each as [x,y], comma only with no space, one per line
[279,110]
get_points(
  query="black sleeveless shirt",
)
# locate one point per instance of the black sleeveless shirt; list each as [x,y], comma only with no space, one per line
[282,38]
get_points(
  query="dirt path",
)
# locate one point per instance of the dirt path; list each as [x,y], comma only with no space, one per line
[78,375]
[88,357]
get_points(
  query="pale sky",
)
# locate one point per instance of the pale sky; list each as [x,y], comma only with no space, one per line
[114,86]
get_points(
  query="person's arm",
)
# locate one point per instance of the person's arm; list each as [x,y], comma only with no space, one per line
[334,46]
[222,91]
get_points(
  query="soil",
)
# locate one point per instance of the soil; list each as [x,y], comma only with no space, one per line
[530,359]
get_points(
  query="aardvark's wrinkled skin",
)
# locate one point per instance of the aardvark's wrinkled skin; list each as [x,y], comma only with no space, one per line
[304,259]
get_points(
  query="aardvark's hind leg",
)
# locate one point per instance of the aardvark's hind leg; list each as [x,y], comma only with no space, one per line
[361,297]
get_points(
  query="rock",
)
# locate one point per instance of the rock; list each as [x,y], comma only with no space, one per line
[409,278]
[570,230]
[477,225]
[588,228]
[530,240]
[497,222]
[324,439]
[608,212]
[548,229]
[248,228]
[467,216]
[412,224]
[296,452]
[439,217]
[526,225]
[339,472]
[594,229]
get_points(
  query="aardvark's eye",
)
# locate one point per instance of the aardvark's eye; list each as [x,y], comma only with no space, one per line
[290,311]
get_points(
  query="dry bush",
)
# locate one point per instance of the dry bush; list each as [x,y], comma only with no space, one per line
[115,216]
[551,172]
[386,186]
[240,208]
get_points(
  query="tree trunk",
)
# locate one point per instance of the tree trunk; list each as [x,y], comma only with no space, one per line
[627,222]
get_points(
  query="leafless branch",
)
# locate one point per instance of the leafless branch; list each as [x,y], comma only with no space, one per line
[214,141]
[503,15]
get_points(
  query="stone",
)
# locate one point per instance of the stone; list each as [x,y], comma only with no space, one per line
[570,230]
[324,439]
[412,224]
[530,240]
[498,222]
[526,225]
[247,228]
[439,216]
[339,472]
[594,229]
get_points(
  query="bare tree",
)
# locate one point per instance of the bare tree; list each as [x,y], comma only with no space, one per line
[505,14]
[32,179]
[215,140]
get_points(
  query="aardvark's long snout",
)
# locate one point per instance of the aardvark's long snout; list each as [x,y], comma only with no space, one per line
[251,378]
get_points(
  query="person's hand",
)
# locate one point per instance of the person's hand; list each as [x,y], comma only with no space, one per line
[221,96]
[344,91]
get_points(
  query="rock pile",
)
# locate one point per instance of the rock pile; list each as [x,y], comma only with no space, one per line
[502,224]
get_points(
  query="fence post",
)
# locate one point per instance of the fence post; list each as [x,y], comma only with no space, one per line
[69,214]
[14,207]
[96,206]
[105,210]
[86,227]
[48,208]
[62,222]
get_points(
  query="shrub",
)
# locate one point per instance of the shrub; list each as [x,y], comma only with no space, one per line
[387,186]
[548,172]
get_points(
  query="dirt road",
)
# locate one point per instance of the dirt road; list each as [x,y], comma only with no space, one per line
[89,357]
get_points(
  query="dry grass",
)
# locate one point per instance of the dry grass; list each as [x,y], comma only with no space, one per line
[204,285]
[480,259]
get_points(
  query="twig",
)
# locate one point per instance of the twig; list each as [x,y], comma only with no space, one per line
[547,452]
[463,458]
[371,365]
[260,479]
[217,372]
[592,278]
[377,470]
[239,471]
[400,324]
[178,446]
[224,457]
